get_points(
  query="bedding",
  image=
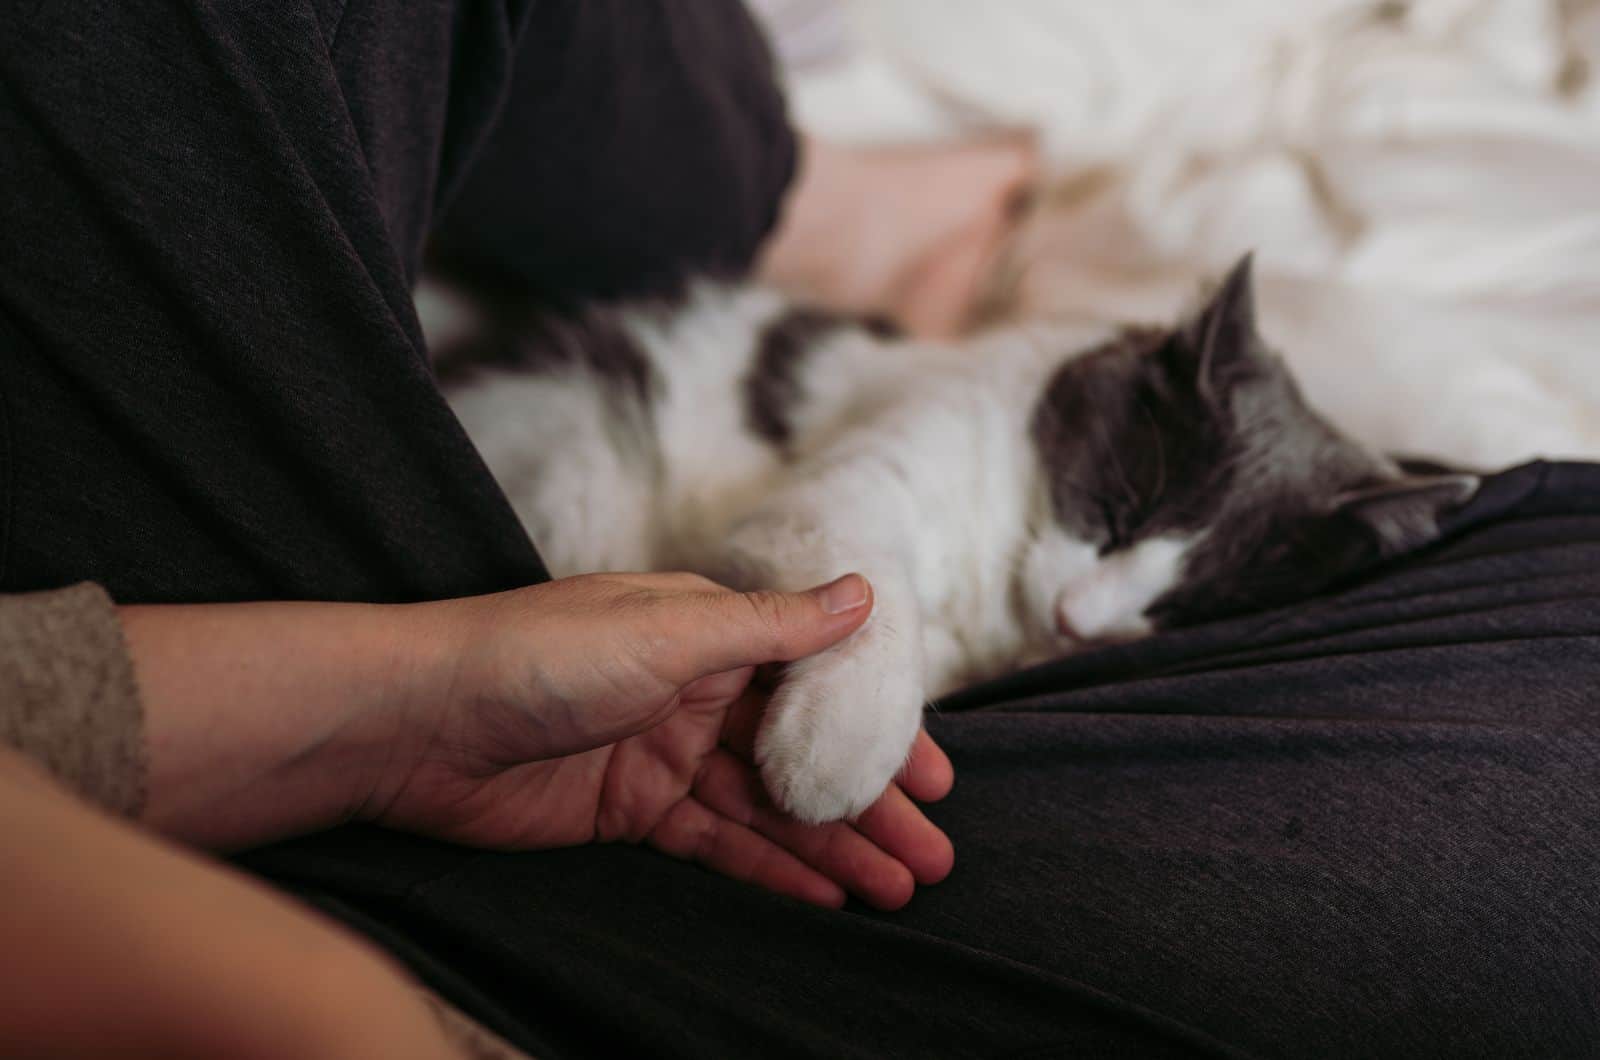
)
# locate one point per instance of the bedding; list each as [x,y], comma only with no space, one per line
[1420,181]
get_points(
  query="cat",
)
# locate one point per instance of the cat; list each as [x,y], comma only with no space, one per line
[1011,497]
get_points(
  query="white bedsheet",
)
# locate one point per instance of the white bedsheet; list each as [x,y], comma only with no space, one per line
[1421,182]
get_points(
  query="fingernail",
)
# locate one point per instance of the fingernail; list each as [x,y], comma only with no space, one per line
[843,594]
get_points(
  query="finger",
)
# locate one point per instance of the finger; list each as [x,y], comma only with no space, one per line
[747,629]
[927,775]
[743,720]
[693,832]
[836,850]
[899,828]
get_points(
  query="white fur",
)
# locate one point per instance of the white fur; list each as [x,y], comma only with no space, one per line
[545,438]
[911,464]
[1109,601]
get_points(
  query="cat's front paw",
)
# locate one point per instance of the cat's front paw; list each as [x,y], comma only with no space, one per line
[837,730]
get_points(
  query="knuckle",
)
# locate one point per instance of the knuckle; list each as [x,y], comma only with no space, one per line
[686,581]
[768,609]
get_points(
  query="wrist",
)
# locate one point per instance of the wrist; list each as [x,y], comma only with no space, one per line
[266,720]
[426,677]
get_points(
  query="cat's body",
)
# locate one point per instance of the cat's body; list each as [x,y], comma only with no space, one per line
[740,398]
[1009,498]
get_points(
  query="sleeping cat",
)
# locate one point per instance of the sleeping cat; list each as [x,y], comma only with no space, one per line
[1010,498]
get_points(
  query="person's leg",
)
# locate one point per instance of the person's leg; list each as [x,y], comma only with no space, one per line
[646,143]
[213,382]
[1365,825]
[643,143]
[908,233]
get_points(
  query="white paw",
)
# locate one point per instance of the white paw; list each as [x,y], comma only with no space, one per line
[838,729]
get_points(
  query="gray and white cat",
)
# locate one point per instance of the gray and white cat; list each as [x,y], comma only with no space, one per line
[1011,497]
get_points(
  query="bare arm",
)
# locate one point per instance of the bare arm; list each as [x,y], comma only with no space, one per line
[265,720]
[118,943]
[590,709]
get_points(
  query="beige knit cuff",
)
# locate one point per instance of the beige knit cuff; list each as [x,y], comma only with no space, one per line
[67,693]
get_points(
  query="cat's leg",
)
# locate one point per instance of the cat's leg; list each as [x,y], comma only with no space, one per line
[840,723]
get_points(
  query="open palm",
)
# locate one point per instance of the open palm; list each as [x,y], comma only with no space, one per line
[491,771]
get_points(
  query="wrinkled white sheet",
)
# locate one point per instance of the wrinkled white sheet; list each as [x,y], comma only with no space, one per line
[1421,182]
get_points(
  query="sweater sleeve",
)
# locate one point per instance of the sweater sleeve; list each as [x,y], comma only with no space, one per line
[67,694]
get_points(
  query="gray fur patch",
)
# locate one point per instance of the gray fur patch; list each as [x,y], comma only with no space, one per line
[519,337]
[526,339]
[1128,449]
[1200,429]
[773,387]
[596,340]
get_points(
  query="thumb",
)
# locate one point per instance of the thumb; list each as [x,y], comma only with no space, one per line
[748,629]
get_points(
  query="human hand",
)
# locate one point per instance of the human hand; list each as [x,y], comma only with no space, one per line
[622,707]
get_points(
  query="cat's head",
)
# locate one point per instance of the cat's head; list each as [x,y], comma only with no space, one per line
[1185,478]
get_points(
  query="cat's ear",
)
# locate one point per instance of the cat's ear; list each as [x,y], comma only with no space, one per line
[1219,341]
[1404,513]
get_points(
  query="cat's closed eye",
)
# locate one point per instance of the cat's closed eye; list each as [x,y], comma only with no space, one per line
[1119,527]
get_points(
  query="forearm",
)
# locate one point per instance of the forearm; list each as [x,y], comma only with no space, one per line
[118,943]
[264,720]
